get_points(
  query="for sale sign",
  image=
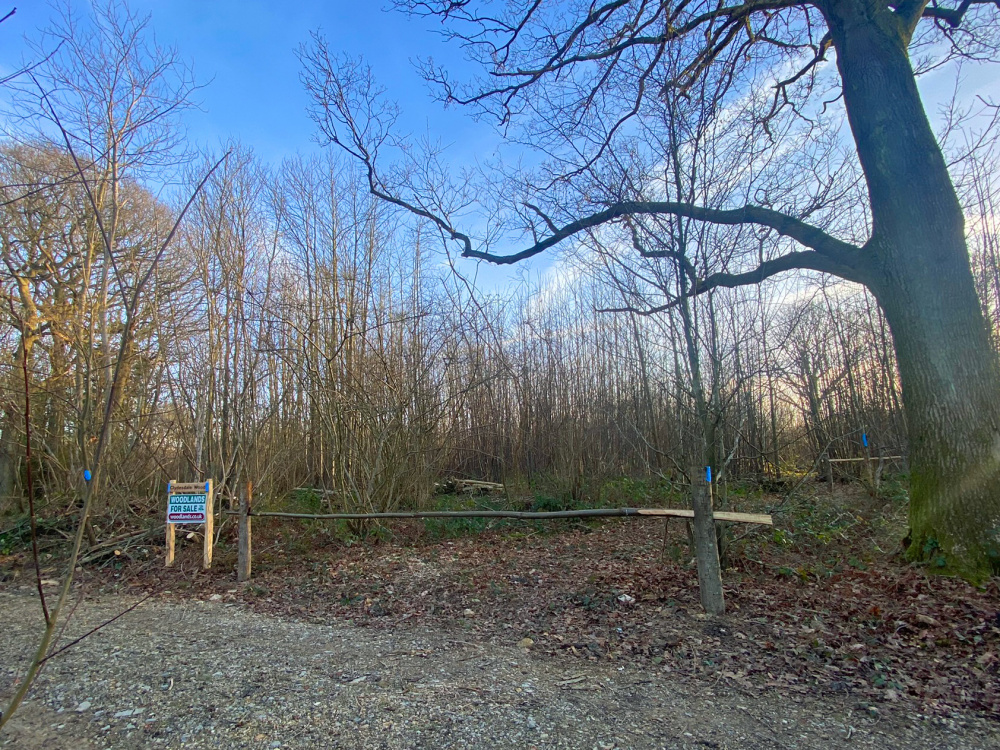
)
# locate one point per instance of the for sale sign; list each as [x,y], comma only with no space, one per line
[189,502]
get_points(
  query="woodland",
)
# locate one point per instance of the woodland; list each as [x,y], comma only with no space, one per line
[312,327]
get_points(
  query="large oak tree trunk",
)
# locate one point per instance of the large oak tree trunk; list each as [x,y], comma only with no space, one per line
[918,268]
[951,393]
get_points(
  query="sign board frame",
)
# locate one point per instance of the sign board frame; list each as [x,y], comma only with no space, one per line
[187,507]
[199,493]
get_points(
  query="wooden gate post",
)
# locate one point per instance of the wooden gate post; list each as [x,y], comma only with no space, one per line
[706,546]
[869,471]
[171,534]
[244,564]
[828,470]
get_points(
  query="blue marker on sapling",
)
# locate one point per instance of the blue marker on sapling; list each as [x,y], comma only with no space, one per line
[864,439]
[708,474]
[86,475]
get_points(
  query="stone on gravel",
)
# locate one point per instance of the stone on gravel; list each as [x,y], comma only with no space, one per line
[339,685]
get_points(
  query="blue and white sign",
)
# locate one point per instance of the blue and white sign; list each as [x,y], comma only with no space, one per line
[188,502]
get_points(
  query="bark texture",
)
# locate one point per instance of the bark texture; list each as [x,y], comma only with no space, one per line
[917,265]
[705,545]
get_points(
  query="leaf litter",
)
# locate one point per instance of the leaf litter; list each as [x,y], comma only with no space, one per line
[879,631]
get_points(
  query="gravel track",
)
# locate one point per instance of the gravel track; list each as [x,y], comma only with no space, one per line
[197,674]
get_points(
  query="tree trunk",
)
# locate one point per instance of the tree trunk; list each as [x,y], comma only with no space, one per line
[917,265]
[705,545]
[951,392]
[8,464]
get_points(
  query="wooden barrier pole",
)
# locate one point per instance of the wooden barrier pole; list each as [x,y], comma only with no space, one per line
[706,546]
[852,460]
[243,567]
[206,560]
[721,515]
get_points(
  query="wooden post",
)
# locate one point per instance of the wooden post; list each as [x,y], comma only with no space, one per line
[879,468]
[243,567]
[170,544]
[720,526]
[706,548]
[828,470]
[206,560]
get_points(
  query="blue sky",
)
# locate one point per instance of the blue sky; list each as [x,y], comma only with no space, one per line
[244,54]
[243,51]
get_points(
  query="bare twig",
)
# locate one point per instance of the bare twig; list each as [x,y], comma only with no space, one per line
[29,476]
[96,462]
[99,627]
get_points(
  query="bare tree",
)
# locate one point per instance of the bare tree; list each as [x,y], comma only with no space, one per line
[103,106]
[574,77]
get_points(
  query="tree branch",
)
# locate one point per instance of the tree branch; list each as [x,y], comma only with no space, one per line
[720,25]
[843,255]
[909,12]
[781,87]
[802,260]
[954,16]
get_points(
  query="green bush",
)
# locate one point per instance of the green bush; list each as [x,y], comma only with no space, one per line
[550,504]
[16,537]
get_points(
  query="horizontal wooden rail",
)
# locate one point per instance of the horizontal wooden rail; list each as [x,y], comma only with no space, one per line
[720,515]
[246,514]
[873,458]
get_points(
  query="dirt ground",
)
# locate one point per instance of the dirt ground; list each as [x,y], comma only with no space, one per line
[521,635]
[196,673]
